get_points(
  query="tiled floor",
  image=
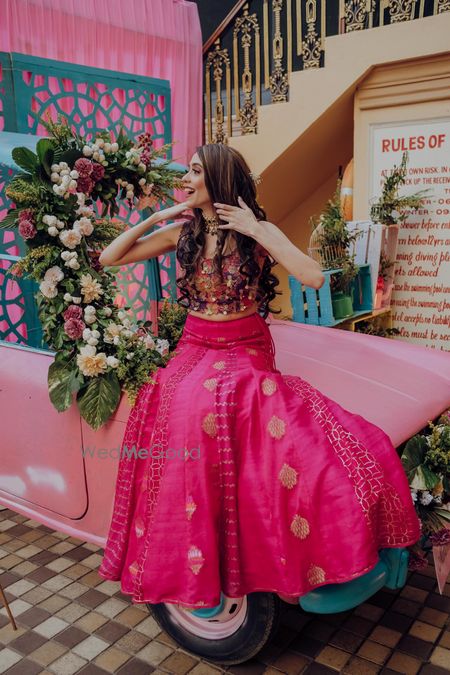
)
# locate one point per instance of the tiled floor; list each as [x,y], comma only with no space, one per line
[72,621]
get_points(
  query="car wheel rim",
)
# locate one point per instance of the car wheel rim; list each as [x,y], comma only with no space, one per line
[218,627]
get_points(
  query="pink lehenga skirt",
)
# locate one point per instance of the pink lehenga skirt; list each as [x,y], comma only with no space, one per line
[236,478]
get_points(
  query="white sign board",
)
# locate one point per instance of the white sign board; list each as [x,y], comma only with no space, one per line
[421,296]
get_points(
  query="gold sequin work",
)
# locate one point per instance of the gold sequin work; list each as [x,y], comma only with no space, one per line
[191,506]
[316,575]
[252,351]
[134,567]
[139,527]
[276,427]
[219,365]
[209,425]
[288,476]
[210,384]
[268,386]
[300,527]
[195,559]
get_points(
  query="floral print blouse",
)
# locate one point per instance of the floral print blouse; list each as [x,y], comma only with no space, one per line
[211,296]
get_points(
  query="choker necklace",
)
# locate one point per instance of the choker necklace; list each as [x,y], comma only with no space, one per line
[211,224]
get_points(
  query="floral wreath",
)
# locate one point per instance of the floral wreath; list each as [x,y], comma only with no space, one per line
[100,350]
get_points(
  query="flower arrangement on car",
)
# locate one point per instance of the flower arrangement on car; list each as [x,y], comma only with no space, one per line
[100,350]
[426,460]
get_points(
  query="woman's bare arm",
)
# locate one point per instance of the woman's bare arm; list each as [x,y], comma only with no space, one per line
[280,247]
[130,247]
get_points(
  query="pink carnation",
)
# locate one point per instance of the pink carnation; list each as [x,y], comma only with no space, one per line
[84,167]
[74,328]
[27,229]
[416,562]
[27,214]
[98,171]
[73,312]
[85,185]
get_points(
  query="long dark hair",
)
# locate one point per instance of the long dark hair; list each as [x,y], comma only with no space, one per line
[227,176]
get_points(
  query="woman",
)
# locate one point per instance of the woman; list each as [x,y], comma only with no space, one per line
[277,487]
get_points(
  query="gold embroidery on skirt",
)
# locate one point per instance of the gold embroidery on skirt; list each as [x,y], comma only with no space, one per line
[133,567]
[196,559]
[276,427]
[300,527]
[139,527]
[190,507]
[209,425]
[219,365]
[288,476]
[316,575]
[252,351]
[268,386]
[221,339]
[210,384]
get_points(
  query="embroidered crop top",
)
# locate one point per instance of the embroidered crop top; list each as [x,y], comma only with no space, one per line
[209,295]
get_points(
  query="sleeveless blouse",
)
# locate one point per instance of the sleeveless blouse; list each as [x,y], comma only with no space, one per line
[209,295]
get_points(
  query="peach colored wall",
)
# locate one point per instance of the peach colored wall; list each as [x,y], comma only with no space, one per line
[297,227]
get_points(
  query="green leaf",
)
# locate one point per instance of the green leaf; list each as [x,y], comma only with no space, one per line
[45,152]
[25,159]
[60,384]
[9,221]
[442,513]
[98,400]
[430,478]
[413,454]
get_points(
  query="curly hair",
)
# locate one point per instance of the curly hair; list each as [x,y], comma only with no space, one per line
[227,176]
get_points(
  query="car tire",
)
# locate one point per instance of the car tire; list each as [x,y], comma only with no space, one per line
[253,621]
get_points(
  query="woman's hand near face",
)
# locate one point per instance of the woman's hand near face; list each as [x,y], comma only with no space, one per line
[172,213]
[240,218]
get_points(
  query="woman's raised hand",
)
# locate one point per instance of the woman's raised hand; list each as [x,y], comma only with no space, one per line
[172,213]
[240,218]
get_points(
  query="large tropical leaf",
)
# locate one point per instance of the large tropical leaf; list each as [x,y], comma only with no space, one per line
[9,221]
[25,159]
[62,382]
[45,151]
[413,454]
[99,398]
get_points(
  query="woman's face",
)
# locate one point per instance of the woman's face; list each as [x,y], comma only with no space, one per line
[194,185]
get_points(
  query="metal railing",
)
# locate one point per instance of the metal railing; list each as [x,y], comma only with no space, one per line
[249,58]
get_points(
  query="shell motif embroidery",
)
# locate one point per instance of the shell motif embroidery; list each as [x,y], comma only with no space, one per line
[219,365]
[300,527]
[133,568]
[288,476]
[276,427]
[209,425]
[191,506]
[210,384]
[316,575]
[139,527]
[196,559]
[268,386]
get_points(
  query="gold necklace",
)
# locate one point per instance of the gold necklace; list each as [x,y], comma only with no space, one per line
[211,224]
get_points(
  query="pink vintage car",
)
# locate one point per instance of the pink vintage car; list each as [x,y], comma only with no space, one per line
[54,471]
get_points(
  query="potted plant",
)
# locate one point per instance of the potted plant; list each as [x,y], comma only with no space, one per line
[390,209]
[341,287]
[384,286]
[330,240]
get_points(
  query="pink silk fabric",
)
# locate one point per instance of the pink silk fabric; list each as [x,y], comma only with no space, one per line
[249,480]
[160,39]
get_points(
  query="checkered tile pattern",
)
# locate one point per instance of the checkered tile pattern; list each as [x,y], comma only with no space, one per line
[72,621]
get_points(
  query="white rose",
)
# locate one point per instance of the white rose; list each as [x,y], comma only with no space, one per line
[70,238]
[90,309]
[63,165]
[107,311]
[54,274]
[72,185]
[54,177]
[65,172]
[48,289]
[96,156]
[87,333]
[112,361]
[90,318]
[74,264]
[130,194]
[76,300]
[107,147]
[87,151]
[59,224]
[54,167]
[162,346]
[53,231]
[116,340]
[49,220]
[88,350]
[67,297]
[96,333]
[92,341]
[114,147]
